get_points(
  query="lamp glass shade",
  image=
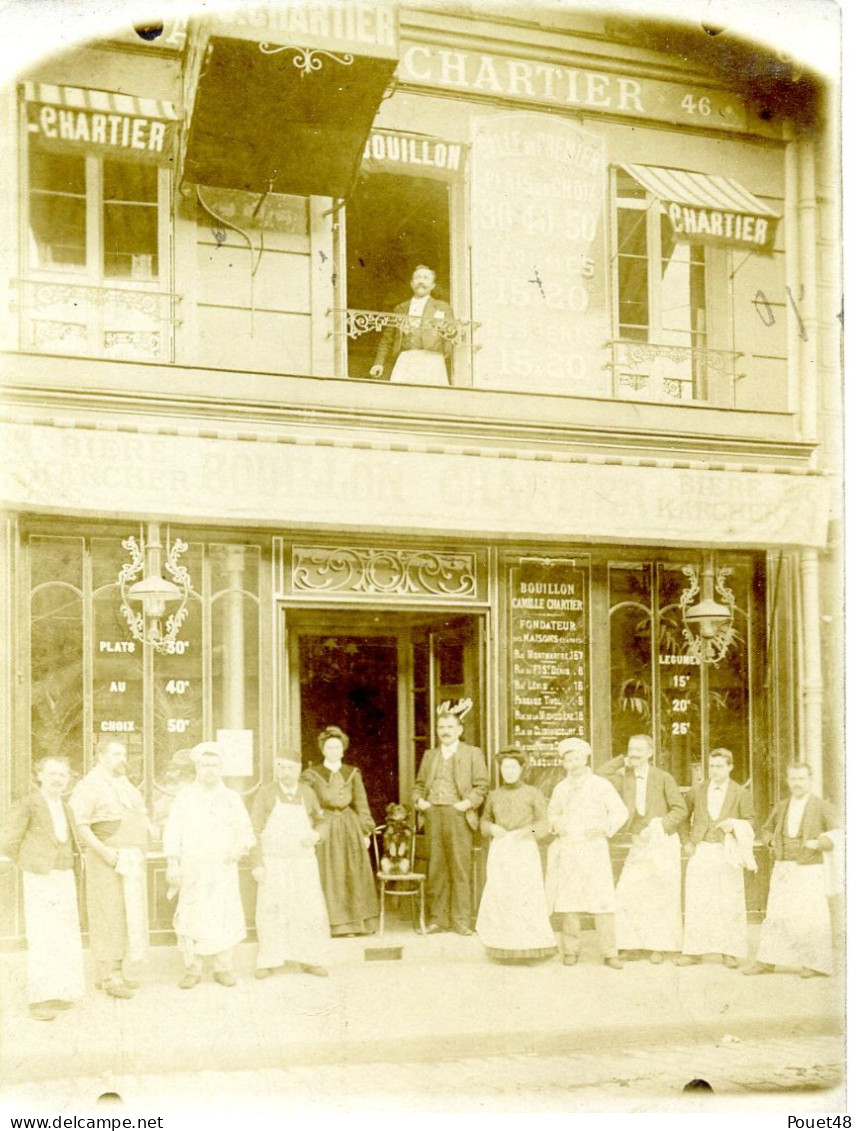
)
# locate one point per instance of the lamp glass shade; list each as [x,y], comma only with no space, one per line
[155,592]
[708,615]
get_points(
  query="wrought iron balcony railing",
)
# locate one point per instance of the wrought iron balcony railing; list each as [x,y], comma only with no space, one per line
[354,323]
[649,371]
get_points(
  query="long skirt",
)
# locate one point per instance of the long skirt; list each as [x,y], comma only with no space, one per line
[715,910]
[649,896]
[346,873]
[292,920]
[55,957]
[797,927]
[512,919]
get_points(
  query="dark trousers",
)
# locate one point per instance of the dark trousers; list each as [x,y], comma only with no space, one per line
[449,866]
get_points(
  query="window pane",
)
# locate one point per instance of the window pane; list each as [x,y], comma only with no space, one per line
[118,694]
[58,210]
[130,218]
[57,667]
[631,682]
[56,559]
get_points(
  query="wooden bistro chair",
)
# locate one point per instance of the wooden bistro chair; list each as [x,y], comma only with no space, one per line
[400,885]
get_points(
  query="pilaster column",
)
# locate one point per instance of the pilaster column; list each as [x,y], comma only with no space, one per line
[811,665]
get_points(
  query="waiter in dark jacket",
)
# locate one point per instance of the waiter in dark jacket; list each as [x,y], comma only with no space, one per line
[450,788]
[40,838]
[421,340]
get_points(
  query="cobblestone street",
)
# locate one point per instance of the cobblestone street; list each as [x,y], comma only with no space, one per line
[802,1074]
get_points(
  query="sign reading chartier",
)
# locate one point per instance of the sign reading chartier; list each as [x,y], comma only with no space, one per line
[70,118]
[366,27]
[725,229]
[575,88]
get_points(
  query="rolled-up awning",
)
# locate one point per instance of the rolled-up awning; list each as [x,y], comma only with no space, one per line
[705,208]
[75,118]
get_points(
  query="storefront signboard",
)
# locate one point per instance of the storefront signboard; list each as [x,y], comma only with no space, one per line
[549,659]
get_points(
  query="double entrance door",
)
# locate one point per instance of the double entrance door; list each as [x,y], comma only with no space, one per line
[380,677]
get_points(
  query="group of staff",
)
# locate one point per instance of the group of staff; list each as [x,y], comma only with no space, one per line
[308,836]
[640,915]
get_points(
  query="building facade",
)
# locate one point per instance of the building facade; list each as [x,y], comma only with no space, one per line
[206,230]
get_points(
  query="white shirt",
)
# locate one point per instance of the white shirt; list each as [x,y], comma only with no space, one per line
[640,802]
[448,751]
[417,306]
[58,818]
[716,795]
[794,814]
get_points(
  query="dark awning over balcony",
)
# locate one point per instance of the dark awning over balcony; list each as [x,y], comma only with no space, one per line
[704,208]
[281,109]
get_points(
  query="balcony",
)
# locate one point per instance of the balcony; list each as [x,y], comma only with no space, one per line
[351,325]
[647,371]
[126,323]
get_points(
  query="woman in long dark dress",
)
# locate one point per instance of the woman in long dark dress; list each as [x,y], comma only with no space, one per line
[345,868]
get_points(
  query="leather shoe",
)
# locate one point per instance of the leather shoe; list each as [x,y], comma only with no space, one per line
[317,971]
[656,957]
[189,981]
[56,1003]
[464,931]
[436,929]
[263,972]
[41,1011]
[730,960]
[117,988]
[758,968]
[687,960]
[614,963]
[132,983]
[806,972]
[570,959]
[224,978]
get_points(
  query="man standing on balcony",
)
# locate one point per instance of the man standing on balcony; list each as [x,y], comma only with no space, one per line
[415,344]
[114,829]
[207,831]
[451,785]
[649,891]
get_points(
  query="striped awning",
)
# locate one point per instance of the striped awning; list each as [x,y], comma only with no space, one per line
[69,119]
[705,208]
[100,101]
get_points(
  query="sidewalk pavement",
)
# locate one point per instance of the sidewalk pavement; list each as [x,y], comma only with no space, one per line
[442,999]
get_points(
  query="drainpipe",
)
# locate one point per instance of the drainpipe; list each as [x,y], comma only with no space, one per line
[811,663]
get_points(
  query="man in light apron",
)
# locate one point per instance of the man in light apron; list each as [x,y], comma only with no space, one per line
[417,345]
[114,829]
[292,920]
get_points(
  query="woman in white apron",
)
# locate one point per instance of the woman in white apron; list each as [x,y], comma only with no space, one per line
[512,920]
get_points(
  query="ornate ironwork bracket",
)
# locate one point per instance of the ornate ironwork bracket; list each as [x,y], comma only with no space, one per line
[307,59]
[707,650]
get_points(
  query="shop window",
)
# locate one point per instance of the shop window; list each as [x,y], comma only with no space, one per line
[661,303]
[690,708]
[90,677]
[95,280]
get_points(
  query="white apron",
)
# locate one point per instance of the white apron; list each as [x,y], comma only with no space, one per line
[292,920]
[797,927]
[209,917]
[579,876]
[55,959]
[513,913]
[715,910]
[420,367]
[649,894]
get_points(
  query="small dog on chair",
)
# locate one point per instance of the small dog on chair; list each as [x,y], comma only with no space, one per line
[397,840]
